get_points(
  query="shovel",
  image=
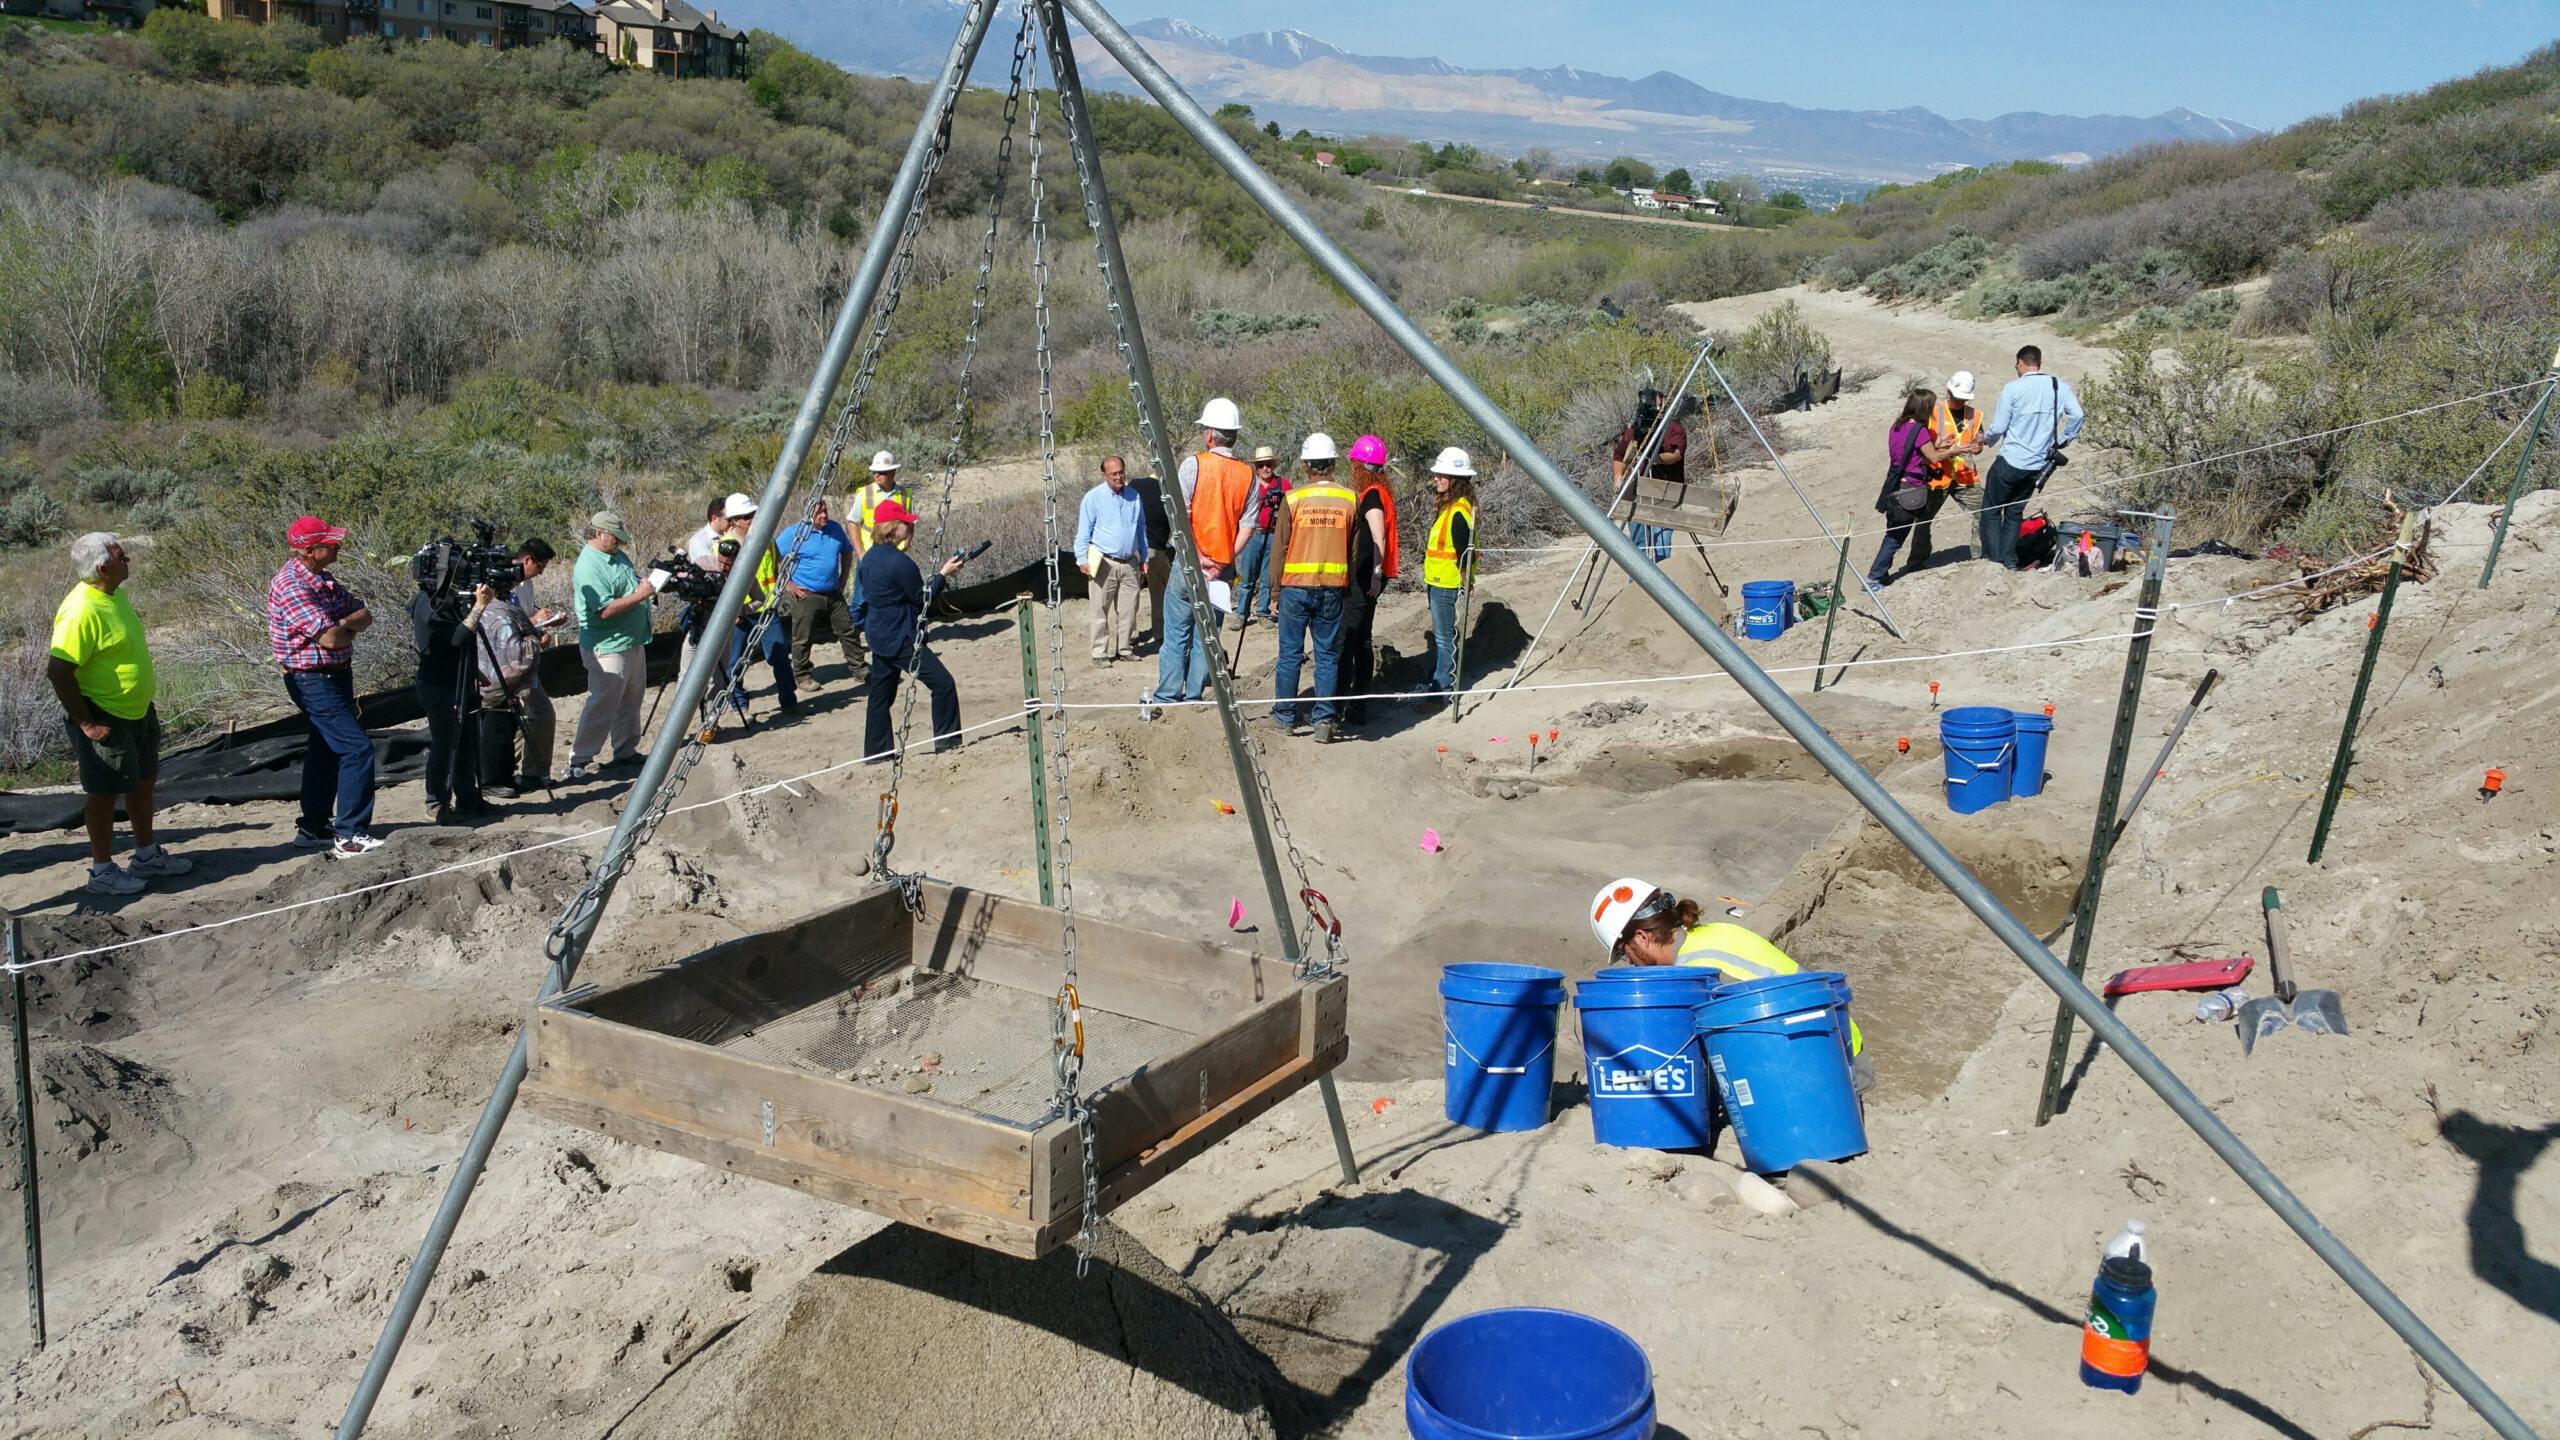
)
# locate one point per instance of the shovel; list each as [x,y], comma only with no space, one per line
[2318,1011]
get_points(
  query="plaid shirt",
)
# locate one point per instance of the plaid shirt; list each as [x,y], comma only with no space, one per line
[299,606]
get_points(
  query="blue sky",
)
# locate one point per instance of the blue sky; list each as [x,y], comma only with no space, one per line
[2264,64]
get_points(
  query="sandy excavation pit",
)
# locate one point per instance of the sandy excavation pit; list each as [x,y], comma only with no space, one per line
[244,1131]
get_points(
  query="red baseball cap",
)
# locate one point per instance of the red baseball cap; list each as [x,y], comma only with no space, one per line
[312,530]
[892,510]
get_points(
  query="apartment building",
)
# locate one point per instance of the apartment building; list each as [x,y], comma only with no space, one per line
[670,37]
[500,24]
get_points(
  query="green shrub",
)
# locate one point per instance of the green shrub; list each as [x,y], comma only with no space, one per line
[1226,327]
[34,518]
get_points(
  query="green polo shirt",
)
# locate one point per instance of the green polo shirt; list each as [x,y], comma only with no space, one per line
[101,637]
[599,580]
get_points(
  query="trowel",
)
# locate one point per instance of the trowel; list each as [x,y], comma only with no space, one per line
[2318,1011]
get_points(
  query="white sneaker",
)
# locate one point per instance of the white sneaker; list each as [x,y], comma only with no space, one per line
[109,878]
[577,774]
[156,860]
[1146,705]
[350,846]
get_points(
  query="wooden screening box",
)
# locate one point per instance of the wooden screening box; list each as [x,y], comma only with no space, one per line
[1695,507]
[793,1056]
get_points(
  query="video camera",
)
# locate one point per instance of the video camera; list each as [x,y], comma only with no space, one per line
[688,581]
[448,570]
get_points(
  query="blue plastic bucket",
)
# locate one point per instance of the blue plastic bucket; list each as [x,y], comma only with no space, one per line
[1768,608]
[1528,1374]
[1840,994]
[1498,1025]
[2035,731]
[1775,1049]
[1641,1056]
[1981,746]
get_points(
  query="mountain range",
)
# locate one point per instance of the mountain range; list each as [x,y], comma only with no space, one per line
[1301,80]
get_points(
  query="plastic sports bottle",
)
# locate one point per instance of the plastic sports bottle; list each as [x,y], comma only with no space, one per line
[2115,1345]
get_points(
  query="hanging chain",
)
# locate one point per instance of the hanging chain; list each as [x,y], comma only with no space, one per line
[1319,911]
[583,908]
[1066,1024]
[910,883]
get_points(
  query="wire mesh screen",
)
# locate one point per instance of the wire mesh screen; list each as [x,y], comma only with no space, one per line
[967,1043]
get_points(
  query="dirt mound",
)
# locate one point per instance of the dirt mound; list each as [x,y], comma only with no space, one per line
[913,1334]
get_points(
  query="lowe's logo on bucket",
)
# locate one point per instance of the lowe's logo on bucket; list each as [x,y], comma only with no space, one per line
[1640,1071]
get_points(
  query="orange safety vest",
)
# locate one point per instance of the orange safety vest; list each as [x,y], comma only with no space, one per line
[1391,564]
[1217,504]
[1319,550]
[1955,470]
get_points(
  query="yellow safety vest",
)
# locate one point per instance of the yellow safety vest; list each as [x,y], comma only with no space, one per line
[1440,565]
[1319,549]
[1943,429]
[1742,955]
[869,499]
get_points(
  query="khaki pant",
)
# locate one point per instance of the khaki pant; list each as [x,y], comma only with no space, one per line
[1114,597]
[805,612]
[616,686]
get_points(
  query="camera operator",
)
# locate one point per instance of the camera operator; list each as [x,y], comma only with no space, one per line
[1669,463]
[448,640]
[512,700]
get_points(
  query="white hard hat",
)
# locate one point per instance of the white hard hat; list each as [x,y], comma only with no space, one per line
[1221,414]
[1319,446]
[737,505]
[1453,461]
[1619,902]
[1960,385]
[884,462]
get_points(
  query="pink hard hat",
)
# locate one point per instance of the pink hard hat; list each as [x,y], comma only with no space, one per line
[1369,450]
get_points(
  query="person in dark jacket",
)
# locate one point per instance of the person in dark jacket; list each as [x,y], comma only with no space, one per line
[895,595]
[449,691]
[1150,493]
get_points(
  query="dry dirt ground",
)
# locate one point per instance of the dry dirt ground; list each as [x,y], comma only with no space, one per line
[244,1129]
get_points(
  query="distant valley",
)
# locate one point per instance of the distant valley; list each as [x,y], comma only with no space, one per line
[1300,80]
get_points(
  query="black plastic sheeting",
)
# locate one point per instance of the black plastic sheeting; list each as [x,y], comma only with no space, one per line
[264,761]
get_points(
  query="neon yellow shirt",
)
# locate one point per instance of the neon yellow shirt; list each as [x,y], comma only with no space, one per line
[99,634]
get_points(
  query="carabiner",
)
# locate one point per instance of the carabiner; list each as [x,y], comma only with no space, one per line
[1073,1009]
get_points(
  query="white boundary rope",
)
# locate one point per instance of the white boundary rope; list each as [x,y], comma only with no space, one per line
[1010,718]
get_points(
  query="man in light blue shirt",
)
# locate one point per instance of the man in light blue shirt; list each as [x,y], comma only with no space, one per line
[815,591]
[1111,549]
[2036,417]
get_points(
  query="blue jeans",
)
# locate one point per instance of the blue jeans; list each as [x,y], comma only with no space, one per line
[1309,615]
[338,763]
[1444,637]
[1654,540]
[1174,680]
[775,651]
[1254,580]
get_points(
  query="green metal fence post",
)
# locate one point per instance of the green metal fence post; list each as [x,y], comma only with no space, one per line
[2137,660]
[2524,462]
[1831,615]
[28,1204]
[2364,677]
[1039,750]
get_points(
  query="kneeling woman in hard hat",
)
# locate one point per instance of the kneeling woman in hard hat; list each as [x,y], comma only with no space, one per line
[1448,564]
[1643,925]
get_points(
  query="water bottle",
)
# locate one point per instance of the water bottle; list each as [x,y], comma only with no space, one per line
[2115,1344]
[2130,1244]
